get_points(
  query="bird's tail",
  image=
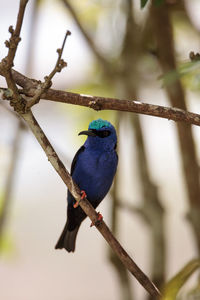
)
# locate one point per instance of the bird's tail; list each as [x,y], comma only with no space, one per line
[67,239]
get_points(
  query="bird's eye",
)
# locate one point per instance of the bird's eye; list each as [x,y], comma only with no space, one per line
[102,134]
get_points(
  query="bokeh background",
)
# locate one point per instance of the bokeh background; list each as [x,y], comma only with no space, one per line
[115,50]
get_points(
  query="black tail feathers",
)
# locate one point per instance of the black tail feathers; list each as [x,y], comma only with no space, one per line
[67,239]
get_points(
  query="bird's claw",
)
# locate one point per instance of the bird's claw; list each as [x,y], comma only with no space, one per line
[99,218]
[83,196]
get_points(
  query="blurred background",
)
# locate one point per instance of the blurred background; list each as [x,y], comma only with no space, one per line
[117,50]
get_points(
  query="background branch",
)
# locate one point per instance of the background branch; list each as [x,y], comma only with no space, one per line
[164,37]
[6,201]
[86,36]
[33,90]
[122,273]
[64,174]
[150,208]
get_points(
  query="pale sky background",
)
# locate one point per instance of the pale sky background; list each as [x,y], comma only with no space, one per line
[34,270]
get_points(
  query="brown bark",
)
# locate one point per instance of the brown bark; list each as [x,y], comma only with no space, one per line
[162,28]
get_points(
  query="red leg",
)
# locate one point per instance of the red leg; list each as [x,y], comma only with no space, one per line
[100,217]
[83,195]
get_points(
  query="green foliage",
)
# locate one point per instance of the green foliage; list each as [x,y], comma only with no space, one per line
[6,245]
[143,3]
[189,72]
[88,12]
[156,2]
[172,288]
[1,202]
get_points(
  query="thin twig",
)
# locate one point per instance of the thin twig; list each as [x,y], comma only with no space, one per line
[12,92]
[42,87]
[8,62]
[12,44]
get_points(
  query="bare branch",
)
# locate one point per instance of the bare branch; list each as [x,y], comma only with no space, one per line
[12,93]
[7,63]
[15,35]
[42,87]
[87,207]
[102,103]
[20,107]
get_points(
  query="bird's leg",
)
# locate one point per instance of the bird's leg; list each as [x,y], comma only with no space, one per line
[99,218]
[83,196]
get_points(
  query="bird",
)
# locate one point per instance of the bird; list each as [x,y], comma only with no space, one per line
[93,169]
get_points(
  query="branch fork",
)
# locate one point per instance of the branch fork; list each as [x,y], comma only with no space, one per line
[23,108]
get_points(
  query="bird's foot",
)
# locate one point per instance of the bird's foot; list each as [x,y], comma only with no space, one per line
[99,218]
[83,196]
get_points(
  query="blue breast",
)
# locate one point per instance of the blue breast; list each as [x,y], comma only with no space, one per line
[94,173]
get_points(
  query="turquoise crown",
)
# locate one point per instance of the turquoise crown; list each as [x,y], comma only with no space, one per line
[98,124]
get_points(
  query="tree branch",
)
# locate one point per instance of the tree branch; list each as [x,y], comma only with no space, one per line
[43,87]
[27,115]
[87,207]
[102,103]
[15,35]
[7,63]
[162,24]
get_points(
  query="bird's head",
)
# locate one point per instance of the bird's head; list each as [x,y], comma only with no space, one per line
[101,134]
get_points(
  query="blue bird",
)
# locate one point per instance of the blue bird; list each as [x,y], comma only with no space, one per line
[93,169]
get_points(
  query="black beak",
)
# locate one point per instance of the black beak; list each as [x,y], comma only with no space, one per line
[87,132]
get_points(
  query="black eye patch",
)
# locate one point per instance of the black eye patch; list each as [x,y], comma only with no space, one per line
[101,134]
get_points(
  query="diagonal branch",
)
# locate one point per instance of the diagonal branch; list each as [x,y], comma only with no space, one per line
[87,207]
[27,115]
[8,62]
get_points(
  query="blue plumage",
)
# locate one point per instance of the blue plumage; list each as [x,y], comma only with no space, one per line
[93,169]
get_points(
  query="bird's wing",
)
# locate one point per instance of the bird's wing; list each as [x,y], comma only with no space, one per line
[75,158]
